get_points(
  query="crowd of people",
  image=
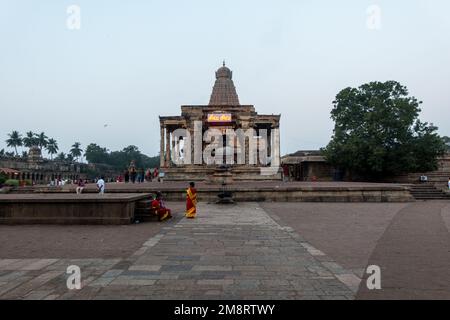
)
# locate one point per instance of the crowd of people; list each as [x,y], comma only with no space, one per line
[133,175]
[139,175]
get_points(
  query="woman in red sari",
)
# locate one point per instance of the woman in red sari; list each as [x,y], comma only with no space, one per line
[159,206]
[191,201]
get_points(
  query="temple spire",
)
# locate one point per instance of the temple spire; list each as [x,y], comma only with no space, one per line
[224,91]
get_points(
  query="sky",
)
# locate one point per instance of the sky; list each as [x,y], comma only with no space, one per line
[107,81]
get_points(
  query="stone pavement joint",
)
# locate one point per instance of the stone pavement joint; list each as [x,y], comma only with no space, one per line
[227,252]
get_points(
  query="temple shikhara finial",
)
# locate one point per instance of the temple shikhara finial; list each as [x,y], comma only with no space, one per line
[224,91]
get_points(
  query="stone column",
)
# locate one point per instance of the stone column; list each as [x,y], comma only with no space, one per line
[167,164]
[269,145]
[276,147]
[161,147]
[175,148]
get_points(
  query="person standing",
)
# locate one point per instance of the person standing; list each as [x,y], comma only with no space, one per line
[191,201]
[126,176]
[448,183]
[285,173]
[140,175]
[133,174]
[155,173]
[148,175]
[101,185]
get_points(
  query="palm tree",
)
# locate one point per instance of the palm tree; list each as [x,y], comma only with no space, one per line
[69,157]
[15,140]
[42,140]
[30,139]
[76,151]
[52,147]
[61,156]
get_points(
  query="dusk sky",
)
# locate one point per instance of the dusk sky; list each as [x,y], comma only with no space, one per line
[132,61]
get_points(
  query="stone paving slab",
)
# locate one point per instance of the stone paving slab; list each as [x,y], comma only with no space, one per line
[227,252]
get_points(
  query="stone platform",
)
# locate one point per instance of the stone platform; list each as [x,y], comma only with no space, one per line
[68,208]
[263,191]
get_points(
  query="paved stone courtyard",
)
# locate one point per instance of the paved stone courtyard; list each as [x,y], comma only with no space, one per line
[251,251]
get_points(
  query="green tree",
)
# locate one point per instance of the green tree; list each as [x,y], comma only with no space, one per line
[69,157]
[61,156]
[30,139]
[96,154]
[14,140]
[447,143]
[119,160]
[52,147]
[41,140]
[76,151]
[377,132]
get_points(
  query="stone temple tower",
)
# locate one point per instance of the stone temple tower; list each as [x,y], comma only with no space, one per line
[224,91]
[199,125]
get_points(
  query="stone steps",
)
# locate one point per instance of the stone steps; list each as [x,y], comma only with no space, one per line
[428,192]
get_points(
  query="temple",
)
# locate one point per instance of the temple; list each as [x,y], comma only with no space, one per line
[223,135]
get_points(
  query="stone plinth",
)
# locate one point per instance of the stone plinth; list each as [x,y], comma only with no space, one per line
[221,175]
[71,208]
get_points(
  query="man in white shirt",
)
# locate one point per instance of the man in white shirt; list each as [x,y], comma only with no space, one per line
[101,185]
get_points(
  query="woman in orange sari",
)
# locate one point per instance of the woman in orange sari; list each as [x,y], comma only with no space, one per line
[191,201]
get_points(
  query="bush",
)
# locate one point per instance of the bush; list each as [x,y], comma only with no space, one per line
[26,182]
[3,178]
[12,183]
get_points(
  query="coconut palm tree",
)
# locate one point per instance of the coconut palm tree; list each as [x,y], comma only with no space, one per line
[14,140]
[69,157]
[30,139]
[76,151]
[52,147]
[61,156]
[42,140]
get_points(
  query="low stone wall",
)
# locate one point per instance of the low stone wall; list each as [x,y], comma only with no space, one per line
[302,195]
[61,208]
[395,193]
[265,191]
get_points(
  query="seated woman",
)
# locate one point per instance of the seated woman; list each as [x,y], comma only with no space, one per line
[159,206]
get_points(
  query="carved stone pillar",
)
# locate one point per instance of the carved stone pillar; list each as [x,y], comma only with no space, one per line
[167,164]
[161,147]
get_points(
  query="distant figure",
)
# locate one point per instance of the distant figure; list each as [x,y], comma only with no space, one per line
[158,205]
[126,176]
[140,175]
[191,201]
[285,173]
[448,183]
[148,175]
[155,173]
[101,185]
[80,186]
[133,174]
